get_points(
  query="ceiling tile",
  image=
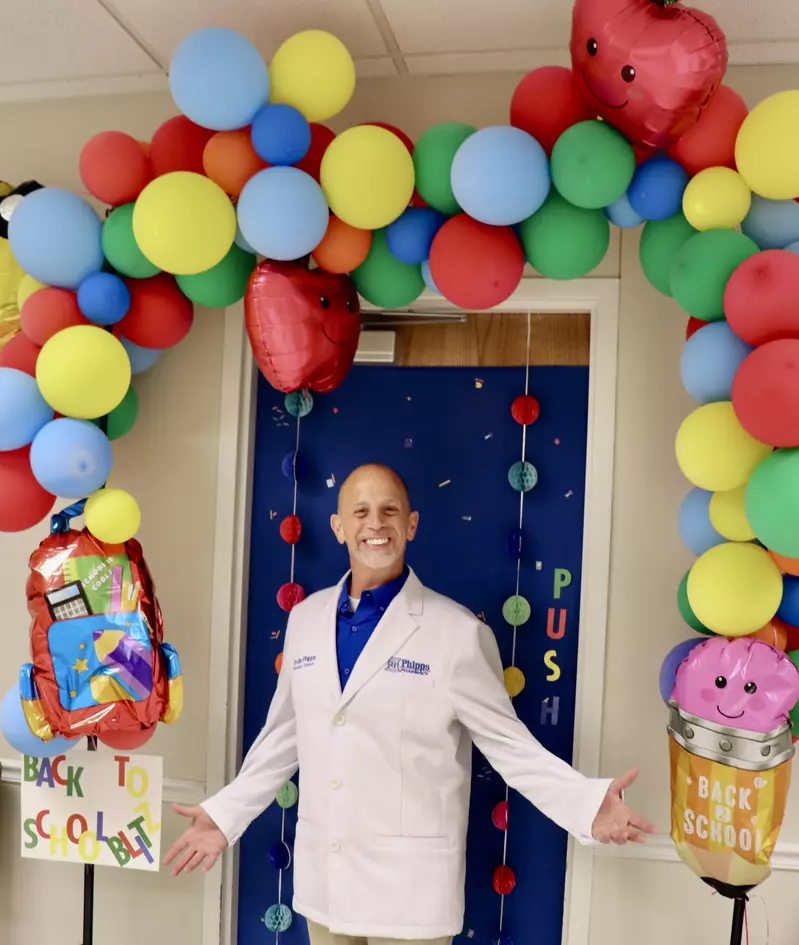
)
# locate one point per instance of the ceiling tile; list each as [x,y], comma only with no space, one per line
[751,21]
[49,40]
[428,26]
[164,23]
[375,68]
[470,63]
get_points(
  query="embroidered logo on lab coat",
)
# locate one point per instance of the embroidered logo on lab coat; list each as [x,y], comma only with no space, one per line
[303,661]
[396,665]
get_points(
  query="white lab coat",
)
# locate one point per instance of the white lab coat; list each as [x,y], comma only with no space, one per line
[386,766]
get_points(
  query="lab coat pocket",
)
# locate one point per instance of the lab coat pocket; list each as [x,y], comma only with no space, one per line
[410,881]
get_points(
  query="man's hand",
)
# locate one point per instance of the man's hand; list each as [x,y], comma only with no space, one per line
[202,843]
[615,822]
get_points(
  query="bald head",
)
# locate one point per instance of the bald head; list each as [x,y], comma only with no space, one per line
[372,471]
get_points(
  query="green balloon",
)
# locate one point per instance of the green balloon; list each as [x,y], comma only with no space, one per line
[562,241]
[660,241]
[772,502]
[686,611]
[702,267]
[121,419]
[120,247]
[385,281]
[433,155]
[793,656]
[223,284]
[592,164]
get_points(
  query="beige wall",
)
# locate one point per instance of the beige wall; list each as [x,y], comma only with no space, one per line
[169,462]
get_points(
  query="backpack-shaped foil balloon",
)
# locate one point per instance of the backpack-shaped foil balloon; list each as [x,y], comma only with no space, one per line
[99,666]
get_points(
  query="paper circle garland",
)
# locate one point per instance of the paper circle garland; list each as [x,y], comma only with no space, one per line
[514,681]
[288,795]
[525,409]
[290,529]
[299,403]
[289,595]
[523,476]
[516,610]
[278,918]
[504,880]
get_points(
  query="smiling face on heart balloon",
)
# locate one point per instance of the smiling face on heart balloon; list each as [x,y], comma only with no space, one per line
[303,325]
[648,67]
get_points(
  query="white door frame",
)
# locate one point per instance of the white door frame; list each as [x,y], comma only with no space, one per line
[598,297]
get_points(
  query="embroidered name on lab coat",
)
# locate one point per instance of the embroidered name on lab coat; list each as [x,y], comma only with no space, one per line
[396,665]
[303,661]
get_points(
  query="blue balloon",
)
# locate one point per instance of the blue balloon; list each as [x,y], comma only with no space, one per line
[18,734]
[693,522]
[772,224]
[103,298]
[500,175]
[710,360]
[23,410]
[141,359]
[280,855]
[620,213]
[670,665]
[71,458]
[283,213]
[428,278]
[280,134]
[218,78]
[789,605]
[294,466]
[410,236]
[55,237]
[655,192]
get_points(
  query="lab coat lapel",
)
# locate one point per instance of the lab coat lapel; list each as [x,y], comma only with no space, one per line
[328,649]
[398,624]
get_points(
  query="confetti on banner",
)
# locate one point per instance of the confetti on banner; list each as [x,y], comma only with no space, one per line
[446,482]
[569,494]
[466,518]
[478,383]
[409,399]
[331,482]
[481,616]
[470,933]
[272,515]
[557,441]
[275,634]
[538,565]
[335,410]
[489,436]
[408,443]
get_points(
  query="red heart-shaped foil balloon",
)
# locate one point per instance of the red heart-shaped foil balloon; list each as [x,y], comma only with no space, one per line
[303,325]
[649,67]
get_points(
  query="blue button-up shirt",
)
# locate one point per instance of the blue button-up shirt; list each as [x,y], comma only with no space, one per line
[354,629]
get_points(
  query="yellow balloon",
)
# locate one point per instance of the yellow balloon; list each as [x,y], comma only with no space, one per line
[718,198]
[112,515]
[728,515]
[314,72]
[767,147]
[184,223]
[735,588]
[27,286]
[714,451]
[83,372]
[514,681]
[368,177]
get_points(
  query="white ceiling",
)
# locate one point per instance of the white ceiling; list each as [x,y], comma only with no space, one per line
[57,48]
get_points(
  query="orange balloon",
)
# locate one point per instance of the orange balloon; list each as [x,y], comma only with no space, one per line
[788,565]
[774,633]
[343,248]
[229,159]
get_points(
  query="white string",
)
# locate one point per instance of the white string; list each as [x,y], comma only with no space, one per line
[294,507]
[518,584]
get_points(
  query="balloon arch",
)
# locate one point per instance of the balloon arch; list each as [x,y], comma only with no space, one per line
[641,131]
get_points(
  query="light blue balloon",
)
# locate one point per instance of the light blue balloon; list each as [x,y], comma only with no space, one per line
[71,458]
[283,213]
[428,278]
[239,240]
[693,522]
[772,224]
[23,410]
[55,237]
[709,361]
[500,175]
[218,78]
[18,734]
[141,359]
[620,213]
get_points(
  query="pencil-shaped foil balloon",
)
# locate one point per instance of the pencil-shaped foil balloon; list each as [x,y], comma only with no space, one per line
[731,753]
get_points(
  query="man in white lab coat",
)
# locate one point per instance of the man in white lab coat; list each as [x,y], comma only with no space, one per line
[384,687]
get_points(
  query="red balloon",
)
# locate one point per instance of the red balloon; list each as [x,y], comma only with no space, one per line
[525,409]
[290,529]
[647,68]
[475,265]
[23,502]
[303,325]
[504,880]
[114,167]
[693,326]
[20,353]
[127,741]
[178,145]
[159,316]
[289,595]
[48,311]
[321,136]
[711,142]
[546,102]
[765,393]
[760,300]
